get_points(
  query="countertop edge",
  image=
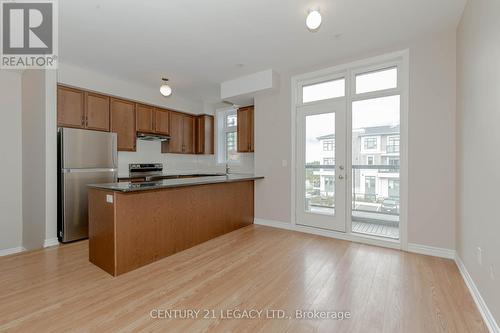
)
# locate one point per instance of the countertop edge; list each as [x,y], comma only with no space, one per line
[167,186]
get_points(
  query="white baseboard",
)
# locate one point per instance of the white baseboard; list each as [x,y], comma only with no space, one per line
[12,250]
[431,251]
[329,233]
[478,299]
[51,242]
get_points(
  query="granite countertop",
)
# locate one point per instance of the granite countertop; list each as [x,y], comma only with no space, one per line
[177,182]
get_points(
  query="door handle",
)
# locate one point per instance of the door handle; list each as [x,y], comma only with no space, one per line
[341,177]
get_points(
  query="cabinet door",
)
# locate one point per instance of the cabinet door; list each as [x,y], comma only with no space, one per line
[70,107]
[204,133]
[162,121]
[188,134]
[123,123]
[243,130]
[174,145]
[145,118]
[97,112]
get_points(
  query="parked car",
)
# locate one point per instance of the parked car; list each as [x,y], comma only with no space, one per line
[390,206]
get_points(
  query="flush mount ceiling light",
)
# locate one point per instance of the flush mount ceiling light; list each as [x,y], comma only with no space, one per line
[165,89]
[313,20]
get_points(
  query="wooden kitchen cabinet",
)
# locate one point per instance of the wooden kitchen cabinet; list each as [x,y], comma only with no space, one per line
[152,120]
[188,134]
[204,131]
[162,121]
[182,134]
[245,129]
[123,123]
[79,109]
[96,112]
[144,118]
[70,107]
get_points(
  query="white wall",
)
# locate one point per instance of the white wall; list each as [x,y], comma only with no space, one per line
[431,142]
[11,228]
[34,158]
[478,142]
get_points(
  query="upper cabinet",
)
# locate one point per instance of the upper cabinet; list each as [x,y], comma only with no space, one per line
[245,129]
[70,107]
[96,112]
[153,120]
[80,109]
[88,110]
[182,134]
[123,123]
[204,134]
[162,121]
[144,121]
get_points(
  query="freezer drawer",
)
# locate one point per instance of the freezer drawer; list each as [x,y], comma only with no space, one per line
[87,149]
[74,224]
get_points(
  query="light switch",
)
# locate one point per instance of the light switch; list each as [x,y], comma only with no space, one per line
[109,198]
[284,163]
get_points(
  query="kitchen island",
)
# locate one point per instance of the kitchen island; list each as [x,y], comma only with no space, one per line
[134,224]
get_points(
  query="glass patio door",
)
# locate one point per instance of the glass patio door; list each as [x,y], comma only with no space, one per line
[321,173]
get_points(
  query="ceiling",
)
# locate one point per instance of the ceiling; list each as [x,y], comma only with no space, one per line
[198,44]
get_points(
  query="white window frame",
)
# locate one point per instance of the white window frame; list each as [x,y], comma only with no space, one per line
[401,59]
[222,130]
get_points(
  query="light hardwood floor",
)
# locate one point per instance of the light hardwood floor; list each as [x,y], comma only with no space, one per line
[59,290]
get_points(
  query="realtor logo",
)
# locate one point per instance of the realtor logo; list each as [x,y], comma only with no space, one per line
[29,34]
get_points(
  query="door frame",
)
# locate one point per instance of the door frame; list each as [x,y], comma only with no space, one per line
[399,58]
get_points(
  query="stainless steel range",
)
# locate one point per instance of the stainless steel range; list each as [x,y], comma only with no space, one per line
[146,171]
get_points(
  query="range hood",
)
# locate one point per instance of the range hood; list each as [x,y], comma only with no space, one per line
[152,137]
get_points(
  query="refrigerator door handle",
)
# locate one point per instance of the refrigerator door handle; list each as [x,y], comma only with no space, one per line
[114,152]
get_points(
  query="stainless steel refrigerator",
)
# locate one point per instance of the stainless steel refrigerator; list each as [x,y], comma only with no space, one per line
[84,157]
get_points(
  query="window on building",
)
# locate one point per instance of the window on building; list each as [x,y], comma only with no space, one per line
[369,160]
[393,144]
[227,135]
[370,143]
[329,184]
[393,188]
[328,161]
[328,145]
[370,191]
[394,161]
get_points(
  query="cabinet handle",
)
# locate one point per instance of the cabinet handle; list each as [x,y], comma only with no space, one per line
[83,120]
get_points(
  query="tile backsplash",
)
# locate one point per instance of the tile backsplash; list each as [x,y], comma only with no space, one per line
[150,152]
